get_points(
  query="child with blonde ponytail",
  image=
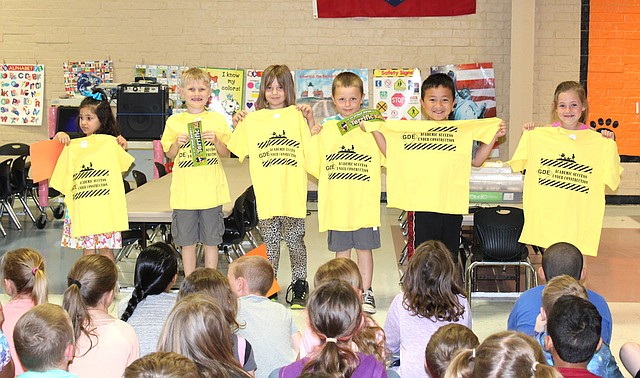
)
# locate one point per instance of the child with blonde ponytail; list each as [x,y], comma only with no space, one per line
[25,282]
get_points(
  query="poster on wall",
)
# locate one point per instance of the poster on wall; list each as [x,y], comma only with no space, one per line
[227,86]
[21,94]
[396,93]
[164,74]
[475,89]
[89,73]
[251,88]
[313,87]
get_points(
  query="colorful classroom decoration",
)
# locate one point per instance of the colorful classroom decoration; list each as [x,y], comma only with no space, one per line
[251,88]
[227,86]
[21,94]
[95,71]
[396,93]
[163,74]
[476,89]
[313,87]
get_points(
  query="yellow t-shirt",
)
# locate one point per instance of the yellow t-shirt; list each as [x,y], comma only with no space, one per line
[275,142]
[429,162]
[197,187]
[348,171]
[566,172]
[89,174]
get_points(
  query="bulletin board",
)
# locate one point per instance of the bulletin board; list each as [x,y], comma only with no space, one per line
[95,71]
[21,94]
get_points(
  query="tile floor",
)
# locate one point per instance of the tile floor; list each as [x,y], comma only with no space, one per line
[614,273]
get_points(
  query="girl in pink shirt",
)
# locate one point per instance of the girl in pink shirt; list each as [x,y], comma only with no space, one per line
[26,283]
[105,346]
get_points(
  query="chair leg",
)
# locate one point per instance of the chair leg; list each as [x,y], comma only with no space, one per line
[2,231]
[26,208]
[403,255]
[14,218]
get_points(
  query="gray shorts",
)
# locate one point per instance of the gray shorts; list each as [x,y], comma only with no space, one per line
[191,226]
[364,238]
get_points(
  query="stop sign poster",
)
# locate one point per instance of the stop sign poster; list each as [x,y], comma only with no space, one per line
[396,93]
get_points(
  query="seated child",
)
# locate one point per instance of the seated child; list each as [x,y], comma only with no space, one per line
[574,327]
[162,365]
[370,337]
[335,314]
[25,282]
[504,354]
[151,301]
[7,369]
[602,364]
[267,325]
[443,345]
[215,285]
[44,341]
[196,328]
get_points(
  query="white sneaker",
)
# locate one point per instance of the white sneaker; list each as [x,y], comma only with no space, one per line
[368,302]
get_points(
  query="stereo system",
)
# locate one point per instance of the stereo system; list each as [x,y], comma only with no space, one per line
[142,110]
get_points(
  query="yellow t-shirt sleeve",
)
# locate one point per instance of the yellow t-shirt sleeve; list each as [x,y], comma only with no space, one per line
[519,159]
[486,130]
[612,177]
[312,156]
[238,144]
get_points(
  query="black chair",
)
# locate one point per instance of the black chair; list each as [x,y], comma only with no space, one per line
[140,178]
[14,149]
[250,215]
[6,193]
[162,170]
[234,230]
[20,185]
[127,186]
[496,233]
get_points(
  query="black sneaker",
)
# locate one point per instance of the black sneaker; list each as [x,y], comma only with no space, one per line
[273,297]
[368,302]
[297,294]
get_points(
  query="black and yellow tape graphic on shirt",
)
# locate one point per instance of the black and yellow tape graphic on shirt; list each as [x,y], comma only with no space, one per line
[350,156]
[91,193]
[90,173]
[186,163]
[430,146]
[563,185]
[279,141]
[444,129]
[349,176]
[280,161]
[566,164]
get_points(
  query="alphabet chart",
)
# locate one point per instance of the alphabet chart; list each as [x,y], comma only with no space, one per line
[21,94]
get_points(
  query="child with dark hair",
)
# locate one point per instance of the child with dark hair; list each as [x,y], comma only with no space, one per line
[162,365]
[574,335]
[215,285]
[335,315]
[44,342]
[93,162]
[430,298]
[104,345]
[25,282]
[443,345]
[151,301]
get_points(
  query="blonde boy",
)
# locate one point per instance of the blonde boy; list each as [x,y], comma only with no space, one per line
[268,326]
[196,139]
[346,160]
[44,341]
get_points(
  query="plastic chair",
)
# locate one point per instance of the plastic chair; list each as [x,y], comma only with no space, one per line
[250,215]
[20,187]
[496,233]
[15,149]
[234,230]
[162,170]
[6,194]
[140,178]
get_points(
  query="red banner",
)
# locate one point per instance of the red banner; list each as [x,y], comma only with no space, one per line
[392,8]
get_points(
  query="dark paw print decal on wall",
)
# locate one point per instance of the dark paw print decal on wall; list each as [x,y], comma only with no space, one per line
[607,124]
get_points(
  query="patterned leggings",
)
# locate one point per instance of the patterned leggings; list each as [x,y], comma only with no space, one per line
[272,230]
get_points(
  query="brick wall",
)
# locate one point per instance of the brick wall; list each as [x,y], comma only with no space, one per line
[242,33]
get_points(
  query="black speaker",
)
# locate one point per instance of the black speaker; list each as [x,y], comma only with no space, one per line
[142,110]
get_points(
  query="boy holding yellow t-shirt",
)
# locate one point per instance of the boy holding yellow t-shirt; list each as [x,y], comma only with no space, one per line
[196,139]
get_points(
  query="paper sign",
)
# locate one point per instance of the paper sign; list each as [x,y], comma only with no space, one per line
[21,94]
[396,93]
[44,156]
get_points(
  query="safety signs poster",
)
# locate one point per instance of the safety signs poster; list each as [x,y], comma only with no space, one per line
[396,93]
[227,86]
[21,94]
[313,87]
[475,89]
